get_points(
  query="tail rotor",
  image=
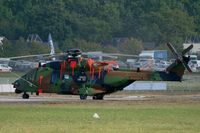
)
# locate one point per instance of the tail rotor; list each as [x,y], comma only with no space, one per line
[180,58]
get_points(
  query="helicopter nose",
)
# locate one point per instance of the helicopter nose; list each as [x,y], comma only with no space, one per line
[16,85]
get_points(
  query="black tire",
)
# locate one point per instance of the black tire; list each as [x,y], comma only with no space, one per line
[98,97]
[25,96]
[83,97]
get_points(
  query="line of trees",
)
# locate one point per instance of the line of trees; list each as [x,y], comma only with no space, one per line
[88,23]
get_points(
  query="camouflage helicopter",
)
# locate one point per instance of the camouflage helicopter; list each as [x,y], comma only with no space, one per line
[75,75]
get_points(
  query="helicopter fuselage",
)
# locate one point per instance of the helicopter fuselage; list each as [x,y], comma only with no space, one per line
[80,78]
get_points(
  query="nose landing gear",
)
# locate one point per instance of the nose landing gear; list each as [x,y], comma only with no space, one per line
[83,96]
[25,96]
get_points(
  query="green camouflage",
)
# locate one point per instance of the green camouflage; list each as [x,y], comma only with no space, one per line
[85,77]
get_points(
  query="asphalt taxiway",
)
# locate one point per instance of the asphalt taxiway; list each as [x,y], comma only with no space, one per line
[54,98]
[64,98]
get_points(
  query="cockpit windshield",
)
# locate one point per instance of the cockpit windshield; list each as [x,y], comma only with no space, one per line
[54,65]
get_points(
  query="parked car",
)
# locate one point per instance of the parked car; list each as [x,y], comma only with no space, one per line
[5,68]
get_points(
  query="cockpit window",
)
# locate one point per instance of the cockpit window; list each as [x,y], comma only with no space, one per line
[30,75]
[55,76]
[54,65]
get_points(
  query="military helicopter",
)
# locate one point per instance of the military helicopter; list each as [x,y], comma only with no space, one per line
[76,75]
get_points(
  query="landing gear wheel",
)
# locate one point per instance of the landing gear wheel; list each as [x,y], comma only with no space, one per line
[25,96]
[83,96]
[98,97]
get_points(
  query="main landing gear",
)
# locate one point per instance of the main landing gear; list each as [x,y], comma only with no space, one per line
[25,96]
[98,97]
[95,97]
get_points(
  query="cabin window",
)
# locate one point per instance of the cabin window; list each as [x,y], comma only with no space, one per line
[54,65]
[80,77]
[55,76]
[30,76]
[66,77]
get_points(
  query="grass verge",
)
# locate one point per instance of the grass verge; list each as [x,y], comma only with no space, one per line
[114,118]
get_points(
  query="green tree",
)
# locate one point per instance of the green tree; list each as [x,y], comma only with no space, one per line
[47,17]
[93,21]
[193,9]
[131,46]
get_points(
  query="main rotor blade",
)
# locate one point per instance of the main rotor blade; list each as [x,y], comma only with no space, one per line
[186,66]
[175,53]
[126,55]
[99,54]
[27,56]
[112,55]
[187,49]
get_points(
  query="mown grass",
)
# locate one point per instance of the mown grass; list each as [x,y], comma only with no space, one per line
[114,118]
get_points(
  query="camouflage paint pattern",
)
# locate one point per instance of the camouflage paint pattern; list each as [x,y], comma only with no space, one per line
[84,76]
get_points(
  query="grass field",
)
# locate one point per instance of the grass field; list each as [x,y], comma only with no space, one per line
[158,116]
[138,117]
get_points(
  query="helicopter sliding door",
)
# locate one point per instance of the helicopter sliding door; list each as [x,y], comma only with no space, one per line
[55,77]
